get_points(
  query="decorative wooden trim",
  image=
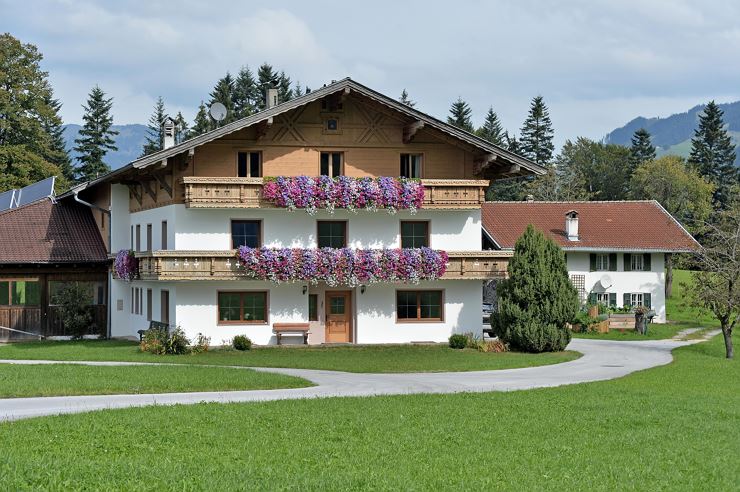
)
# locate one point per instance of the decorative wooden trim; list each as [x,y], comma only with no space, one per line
[162,180]
[133,190]
[146,186]
[410,130]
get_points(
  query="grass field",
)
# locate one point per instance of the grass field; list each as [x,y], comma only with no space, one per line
[676,427]
[66,379]
[382,358]
[679,313]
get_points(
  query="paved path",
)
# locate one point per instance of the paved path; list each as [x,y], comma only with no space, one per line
[601,360]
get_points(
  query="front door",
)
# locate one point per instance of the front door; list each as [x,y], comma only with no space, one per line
[338,309]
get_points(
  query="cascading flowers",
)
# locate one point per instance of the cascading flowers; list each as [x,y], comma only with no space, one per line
[126,265]
[343,266]
[323,192]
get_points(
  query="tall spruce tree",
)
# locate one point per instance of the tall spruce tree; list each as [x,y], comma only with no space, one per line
[537,133]
[713,155]
[202,122]
[155,131]
[405,99]
[245,93]
[267,78]
[641,150]
[181,128]
[223,92]
[460,115]
[31,144]
[298,89]
[284,91]
[95,137]
[57,153]
[492,129]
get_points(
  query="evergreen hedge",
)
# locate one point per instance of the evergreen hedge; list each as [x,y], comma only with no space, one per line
[537,300]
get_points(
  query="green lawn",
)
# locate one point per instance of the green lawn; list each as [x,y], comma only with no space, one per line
[675,427]
[66,379]
[679,313]
[370,358]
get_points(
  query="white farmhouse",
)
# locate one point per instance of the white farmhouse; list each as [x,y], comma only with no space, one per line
[615,251]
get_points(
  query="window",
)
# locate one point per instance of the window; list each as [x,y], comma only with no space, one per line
[164,306]
[242,307]
[249,164]
[138,237]
[332,125]
[331,164]
[164,234]
[246,233]
[414,234]
[20,293]
[149,300]
[637,299]
[149,237]
[313,313]
[422,305]
[636,262]
[132,237]
[602,262]
[332,234]
[410,166]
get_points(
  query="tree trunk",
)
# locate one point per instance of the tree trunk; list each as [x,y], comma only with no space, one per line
[668,275]
[729,350]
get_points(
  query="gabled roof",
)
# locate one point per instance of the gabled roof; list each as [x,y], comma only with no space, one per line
[50,232]
[333,88]
[603,226]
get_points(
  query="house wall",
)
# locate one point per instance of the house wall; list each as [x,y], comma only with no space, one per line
[125,323]
[652,281]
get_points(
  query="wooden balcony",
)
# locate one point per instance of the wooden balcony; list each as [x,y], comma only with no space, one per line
[223,265]
[224,192]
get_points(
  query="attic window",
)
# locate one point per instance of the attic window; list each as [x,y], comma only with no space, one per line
[332,124]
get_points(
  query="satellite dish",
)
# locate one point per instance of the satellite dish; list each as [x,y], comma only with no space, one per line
[606,281]
[218,111]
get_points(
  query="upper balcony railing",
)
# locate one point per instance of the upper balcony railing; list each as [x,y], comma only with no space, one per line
[172,265]
[225,192]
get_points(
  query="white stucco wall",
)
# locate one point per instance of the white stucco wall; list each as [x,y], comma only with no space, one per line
[124,323]
[652,281]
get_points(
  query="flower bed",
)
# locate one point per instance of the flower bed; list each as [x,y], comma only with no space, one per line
[126,265]
[309,193]
[343,266]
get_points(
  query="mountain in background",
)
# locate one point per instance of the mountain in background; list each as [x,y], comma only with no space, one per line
[672,135]
[130,141]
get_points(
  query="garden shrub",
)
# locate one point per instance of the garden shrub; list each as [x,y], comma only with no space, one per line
[202,344]
[158,341]
[537,301]
[242,342]
[496,346]
[458,341]
[75,311]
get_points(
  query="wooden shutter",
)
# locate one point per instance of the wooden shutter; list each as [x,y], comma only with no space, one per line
[592,259]
[627,262]
[612,262]
[592,298]
[646,300]
[627,300]
[613,299]
[646,262]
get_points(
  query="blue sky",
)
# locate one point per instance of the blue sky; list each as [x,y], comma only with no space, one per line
[598,64]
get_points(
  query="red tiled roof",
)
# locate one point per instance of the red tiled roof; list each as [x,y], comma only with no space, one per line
[628,225]
[46,232]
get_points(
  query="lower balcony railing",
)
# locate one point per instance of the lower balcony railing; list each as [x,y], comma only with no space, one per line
[225,192]
[224,265]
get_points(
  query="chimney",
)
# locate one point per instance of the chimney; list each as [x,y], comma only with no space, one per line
[571,225]
[271,98]
[169,133]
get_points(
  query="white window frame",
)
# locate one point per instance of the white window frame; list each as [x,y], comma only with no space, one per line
[636,299]
[602,262]
[602,298]
[637,263]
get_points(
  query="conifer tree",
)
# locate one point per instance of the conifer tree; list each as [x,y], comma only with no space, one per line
[155,132]
[492,129]
[223,92]
[202,122]
[405,99]
[460,115]
[96,136]
[713,155]
[245,93]
[537,133]
[57,153]
[267,78]
[537,300]
[284,91]
[641,150]
[181,128]
[297,89]
[512,144]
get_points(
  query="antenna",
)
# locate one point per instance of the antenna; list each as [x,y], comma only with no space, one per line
[218,112]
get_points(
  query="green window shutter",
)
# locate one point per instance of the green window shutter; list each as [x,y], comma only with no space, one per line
[627,262]
[592,298]
[592,266]
[646,262]
[613,299]
[626,300]
[646,300]
[612,262]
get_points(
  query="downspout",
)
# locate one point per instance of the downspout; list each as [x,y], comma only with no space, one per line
[110,274]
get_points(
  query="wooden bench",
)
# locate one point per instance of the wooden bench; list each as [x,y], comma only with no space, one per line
[154,325]
[296,329]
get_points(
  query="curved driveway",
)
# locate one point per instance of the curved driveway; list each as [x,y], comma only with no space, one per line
[601,360]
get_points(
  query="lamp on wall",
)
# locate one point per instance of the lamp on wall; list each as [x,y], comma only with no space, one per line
[305,289]
[362,288]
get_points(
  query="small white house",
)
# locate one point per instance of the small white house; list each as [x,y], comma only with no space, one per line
[615,250]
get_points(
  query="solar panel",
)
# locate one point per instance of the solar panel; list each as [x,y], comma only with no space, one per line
[7,199]
[37,191]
